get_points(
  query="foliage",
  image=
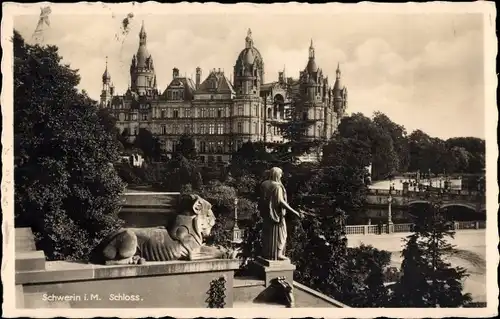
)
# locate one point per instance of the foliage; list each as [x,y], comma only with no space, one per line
[186,148]
[149,144]
[429,280]
[377,138]
[217,293]
[66,188]
[252,240]
[180,172]
[368,266]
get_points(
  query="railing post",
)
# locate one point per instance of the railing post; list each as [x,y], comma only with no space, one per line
[477,224]
[455,226]
[365,229]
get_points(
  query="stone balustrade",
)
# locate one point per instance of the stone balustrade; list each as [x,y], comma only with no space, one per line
[406,228]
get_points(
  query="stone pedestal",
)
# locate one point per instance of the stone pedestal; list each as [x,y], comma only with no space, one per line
[390,227]
[268,270]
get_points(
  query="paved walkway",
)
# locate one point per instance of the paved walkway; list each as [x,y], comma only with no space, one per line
[470,254]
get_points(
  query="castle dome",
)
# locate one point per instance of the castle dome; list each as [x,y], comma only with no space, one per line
[250,54]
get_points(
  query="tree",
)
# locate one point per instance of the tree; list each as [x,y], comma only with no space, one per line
[368,265]
[109,123]
[186,148]
[399,139]
[149,144]
[428,279]
[384,158]
[180,172]
[66,188]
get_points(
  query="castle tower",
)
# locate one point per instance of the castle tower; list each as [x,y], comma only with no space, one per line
[247,116]
[142,73]
[313,104]
[107,88]
[339,95]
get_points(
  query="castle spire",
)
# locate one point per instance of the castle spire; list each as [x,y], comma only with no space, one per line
[338,70]
[248,39]
[311,50]
[106,77]
[142,34]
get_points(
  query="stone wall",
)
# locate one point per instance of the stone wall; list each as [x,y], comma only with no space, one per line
[60,284]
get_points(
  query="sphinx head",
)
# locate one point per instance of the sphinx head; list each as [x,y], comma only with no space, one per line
[201,210]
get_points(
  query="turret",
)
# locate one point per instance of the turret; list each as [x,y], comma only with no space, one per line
[107,88]
[142,72]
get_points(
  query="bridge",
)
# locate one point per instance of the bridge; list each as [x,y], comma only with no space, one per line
[473,200]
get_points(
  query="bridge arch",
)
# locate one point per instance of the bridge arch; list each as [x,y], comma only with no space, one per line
[446,205]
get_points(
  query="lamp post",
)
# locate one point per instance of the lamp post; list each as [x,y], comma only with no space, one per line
[236,229]
[390,224]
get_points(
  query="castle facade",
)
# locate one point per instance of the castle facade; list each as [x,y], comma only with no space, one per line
[220,113]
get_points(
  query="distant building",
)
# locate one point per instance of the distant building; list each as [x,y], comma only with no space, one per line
[219,113]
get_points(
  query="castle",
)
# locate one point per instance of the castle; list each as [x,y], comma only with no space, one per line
[219,113]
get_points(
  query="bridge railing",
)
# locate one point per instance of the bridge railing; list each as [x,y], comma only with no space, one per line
[399,192]
[405,228]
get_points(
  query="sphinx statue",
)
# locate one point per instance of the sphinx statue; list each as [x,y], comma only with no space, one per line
[181,239]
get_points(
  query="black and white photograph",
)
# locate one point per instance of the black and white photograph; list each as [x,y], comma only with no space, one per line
[295,160]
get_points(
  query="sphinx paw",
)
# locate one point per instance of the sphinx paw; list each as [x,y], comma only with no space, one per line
[141,261]
[135,260]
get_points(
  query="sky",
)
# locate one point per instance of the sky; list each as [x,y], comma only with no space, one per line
[425,71]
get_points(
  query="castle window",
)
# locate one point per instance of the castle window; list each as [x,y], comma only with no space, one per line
[220,147]
[163,114]
[134,117]
[187,128]
[219,112]
[211,128]
[211,147]
[163,129]
[202,129]
[203,147]
[240,110]
[202,113]
[169,95]
[240,127]
[182,95]
[255,128]
[187,113]
[212,112]
[135,131]
[175,129]
[144,116]
[220,128]
[176,114]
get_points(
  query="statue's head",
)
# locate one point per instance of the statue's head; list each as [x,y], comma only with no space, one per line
[201,211]
[275,174]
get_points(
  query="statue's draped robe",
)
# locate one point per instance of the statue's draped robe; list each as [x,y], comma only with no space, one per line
[273,214]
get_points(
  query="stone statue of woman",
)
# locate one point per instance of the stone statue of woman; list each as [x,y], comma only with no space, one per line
[273,207]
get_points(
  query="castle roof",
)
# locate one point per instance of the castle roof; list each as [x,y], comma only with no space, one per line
[216,82]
